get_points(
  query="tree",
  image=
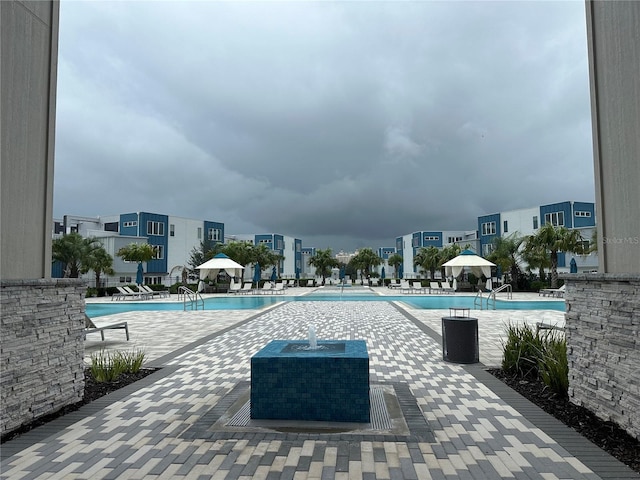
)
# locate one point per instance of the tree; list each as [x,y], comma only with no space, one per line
[535,256]
[240,252]
[137,252]
[323,261]
[395,261]
[448,253]
[100,262]
[506,254]
[206,251]
[74,252]
[364,260]
[428,259]
[552,240]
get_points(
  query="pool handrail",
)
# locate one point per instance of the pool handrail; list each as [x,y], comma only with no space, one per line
[191,298]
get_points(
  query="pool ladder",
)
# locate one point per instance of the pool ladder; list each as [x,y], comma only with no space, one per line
[491,297]
[190,299]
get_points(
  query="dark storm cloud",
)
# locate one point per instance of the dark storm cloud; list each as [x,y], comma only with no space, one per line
[356,122]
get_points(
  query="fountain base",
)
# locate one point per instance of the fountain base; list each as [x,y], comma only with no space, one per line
[330,383]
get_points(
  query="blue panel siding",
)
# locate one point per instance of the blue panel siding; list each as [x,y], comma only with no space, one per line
[562,259]
[215,225]
[298,254]
[579,222]
[564,207]
[57,269]
[130,231]
[269,238]
[160,265]
[386,252]
[432,243]
[488,239]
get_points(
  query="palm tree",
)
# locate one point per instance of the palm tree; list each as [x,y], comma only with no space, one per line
[74,252]
[100,262]
[448,253]
[553,240]
[395,261]
[428,259]
[506,254]
[535,257]
[323,261]
[364,261]
[137,252]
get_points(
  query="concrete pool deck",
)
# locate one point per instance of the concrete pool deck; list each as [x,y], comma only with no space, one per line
[163,426]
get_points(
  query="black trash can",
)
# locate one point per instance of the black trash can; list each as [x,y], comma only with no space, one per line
[460,340]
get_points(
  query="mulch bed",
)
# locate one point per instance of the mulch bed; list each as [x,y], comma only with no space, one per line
[607,435]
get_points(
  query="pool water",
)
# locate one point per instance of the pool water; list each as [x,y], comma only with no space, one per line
[253,302]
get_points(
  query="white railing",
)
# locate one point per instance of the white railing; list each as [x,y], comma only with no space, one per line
[190,298]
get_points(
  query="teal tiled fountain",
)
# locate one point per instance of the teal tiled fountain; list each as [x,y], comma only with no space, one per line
[292,381]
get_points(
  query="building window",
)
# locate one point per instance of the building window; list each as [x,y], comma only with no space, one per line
[280,244]
[580,213]
[214,234]
[265,240]
[489,228]
[199,233]
[505,227]
[172,230]
[535,222]
[133,223]
[431,238]
[415,242]
[556,219]
[454,239]
[487,248]
[158,252]
[111,227]
[155,228]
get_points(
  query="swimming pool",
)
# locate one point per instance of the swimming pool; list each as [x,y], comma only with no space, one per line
[252,302]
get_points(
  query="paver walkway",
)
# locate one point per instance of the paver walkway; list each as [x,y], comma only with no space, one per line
[164,429]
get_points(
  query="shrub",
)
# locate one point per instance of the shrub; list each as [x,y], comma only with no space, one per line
[521,351]
[554,366]
[107,367]
[531,354]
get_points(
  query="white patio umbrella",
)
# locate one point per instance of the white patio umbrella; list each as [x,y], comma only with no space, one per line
[478,265]
[212,267]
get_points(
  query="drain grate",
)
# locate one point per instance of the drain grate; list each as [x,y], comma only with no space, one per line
[379,414]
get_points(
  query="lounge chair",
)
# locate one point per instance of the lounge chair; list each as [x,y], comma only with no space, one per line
[552,292]
[152,292]
[139,294]
[123,294]
[247,288]
[235,288]
[278,289]
[90,327]
[434,287]
[405,287]
[446,288]
[266,288]
[418,288]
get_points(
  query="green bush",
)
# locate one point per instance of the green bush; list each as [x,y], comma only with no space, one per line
[107,367]
[521,351]
[530,354]
[554,366]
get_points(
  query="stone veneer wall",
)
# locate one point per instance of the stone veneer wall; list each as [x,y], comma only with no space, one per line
[42,348]
[603,329]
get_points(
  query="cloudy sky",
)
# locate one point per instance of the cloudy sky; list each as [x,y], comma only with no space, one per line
[345,124]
